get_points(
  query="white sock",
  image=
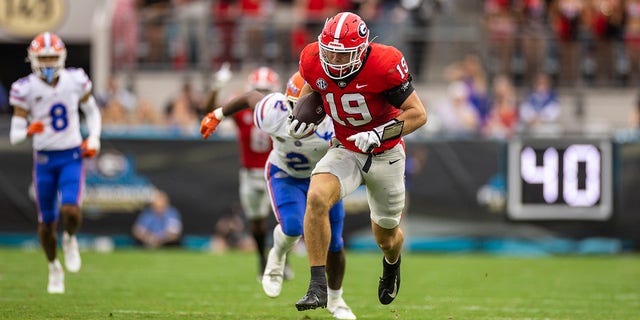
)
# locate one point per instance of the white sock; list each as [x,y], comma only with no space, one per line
[282,243]
[334,293]
[55,264]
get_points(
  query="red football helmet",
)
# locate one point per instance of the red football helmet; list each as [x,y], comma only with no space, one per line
[47,55]
[264,79]
[343,42]
[294,87]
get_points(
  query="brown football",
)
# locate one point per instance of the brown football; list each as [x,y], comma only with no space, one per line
[309,109]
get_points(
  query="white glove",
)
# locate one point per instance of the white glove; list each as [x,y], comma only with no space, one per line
[365,141]
[222,76]
[303,130]
[90,147]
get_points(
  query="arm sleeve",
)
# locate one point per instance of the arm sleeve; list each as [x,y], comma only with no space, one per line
[93,117]
[18,131]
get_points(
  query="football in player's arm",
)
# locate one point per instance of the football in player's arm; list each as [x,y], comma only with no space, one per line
[288,175]
[368,94]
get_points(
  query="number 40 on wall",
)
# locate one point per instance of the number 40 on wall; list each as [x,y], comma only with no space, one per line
[577,173]
[562,178]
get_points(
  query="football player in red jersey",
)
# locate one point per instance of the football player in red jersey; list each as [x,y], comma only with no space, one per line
[255,146]
[288,173]
[367,91]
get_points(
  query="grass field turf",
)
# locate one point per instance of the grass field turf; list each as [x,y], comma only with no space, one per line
[177,284]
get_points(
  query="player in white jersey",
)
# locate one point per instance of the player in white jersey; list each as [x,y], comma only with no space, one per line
[46,106]
[288,172]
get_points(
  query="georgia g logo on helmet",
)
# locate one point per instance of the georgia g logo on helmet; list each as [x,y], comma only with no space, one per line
[343,42]
[362,30]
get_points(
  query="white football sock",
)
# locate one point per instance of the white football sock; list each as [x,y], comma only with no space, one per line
[282,243]
[55,264]
[334,293]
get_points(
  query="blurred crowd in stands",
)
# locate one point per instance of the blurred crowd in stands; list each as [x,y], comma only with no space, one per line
[596,41]
[527,49]
[501,79]
[122,108]
[591,40]
[472,106]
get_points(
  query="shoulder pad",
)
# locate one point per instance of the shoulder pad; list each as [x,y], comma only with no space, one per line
[19,92]
[396,66]
[271,112]
[80,78]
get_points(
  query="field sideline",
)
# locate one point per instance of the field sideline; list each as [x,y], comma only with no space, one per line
[180,284]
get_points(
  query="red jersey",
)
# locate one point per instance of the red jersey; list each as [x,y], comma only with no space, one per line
[255,144]
[358,103]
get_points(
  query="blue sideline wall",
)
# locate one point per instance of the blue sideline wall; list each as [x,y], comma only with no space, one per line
[201,178]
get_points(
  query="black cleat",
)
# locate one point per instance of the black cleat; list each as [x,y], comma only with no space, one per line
[389,284]
[316,297]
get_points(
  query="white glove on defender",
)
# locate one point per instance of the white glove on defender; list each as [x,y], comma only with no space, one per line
[93,143]
[90,146]
[301,131]
[366,141]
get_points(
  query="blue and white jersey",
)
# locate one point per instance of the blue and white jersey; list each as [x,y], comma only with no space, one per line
[56,107]
[297,157]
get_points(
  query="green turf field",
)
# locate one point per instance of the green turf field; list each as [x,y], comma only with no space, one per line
[136,284]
